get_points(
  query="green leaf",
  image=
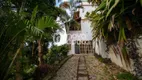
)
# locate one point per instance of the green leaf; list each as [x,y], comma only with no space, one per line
[110,26]
[120,34]
[46,22]
[123,33]
[34,14]
[141,2]
[114,5]
[101,6]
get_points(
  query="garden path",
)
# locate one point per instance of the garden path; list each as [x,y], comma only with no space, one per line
[86,67]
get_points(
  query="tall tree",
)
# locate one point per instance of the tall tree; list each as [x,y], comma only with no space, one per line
[18,23]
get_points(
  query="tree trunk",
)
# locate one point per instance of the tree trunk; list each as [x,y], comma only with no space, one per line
[40,52]
[18,64]
[13,60]
[33,46]
[18,68]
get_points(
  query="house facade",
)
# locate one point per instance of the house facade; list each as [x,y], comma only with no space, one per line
[79,35]
[80,40]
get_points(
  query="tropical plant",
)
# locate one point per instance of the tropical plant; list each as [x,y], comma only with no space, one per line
[64,49]
[116,19]
[117,22]
[57,53]
[12,32]
[21,22]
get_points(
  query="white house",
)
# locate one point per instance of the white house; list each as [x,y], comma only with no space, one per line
[79,36]
[81,40]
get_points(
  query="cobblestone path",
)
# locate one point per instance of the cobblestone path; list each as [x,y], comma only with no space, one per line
[69,70]
[86,67]
[82,73]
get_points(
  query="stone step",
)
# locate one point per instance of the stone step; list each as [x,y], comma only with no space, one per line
[82,78]
[82,72]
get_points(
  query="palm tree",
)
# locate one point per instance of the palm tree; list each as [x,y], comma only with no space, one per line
[16,27]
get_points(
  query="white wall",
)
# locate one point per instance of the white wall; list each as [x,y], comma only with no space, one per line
[63,37]
[83,34]
[118,60]
[100,48]
[86,8]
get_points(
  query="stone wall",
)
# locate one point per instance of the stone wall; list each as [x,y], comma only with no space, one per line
[119,60]
[114,54]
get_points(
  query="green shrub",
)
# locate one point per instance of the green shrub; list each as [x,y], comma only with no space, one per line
[56,53]
[126,76]
[64,49]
